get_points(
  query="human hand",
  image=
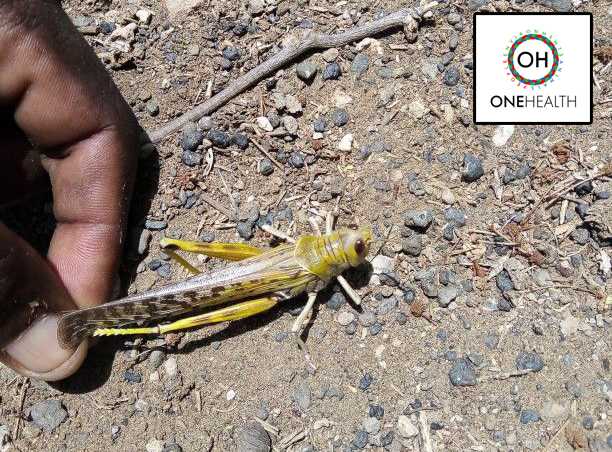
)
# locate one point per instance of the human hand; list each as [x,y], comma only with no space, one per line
[59,112]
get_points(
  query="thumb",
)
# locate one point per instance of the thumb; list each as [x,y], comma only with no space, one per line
[31,295]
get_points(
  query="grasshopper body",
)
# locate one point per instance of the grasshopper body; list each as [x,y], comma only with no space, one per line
[261,277]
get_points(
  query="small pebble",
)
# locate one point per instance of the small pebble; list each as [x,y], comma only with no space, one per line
[528,360]
[340,117]
[451,76]
[219,138]
[48,414]
[265,167]
[472,168]
[365,381]
[319,125]
[306,71]
[191,158]
[231,53]
[345,317]
[419,219]
[376,411]
[253,438]
[462,373]
[152,107]
[527,416]
[360,64]
[361,439]
[332,71]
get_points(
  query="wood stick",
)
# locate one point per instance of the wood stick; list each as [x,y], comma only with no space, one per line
[407,18]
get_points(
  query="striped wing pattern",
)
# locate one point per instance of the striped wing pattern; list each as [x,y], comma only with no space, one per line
[276,270]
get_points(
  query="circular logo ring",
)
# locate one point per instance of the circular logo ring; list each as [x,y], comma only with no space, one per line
[549,44]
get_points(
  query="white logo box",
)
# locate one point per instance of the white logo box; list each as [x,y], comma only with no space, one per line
[550,79]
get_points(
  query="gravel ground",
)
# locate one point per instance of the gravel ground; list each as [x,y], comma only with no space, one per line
[486,317]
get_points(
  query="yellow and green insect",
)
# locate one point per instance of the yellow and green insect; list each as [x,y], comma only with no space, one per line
[255,282]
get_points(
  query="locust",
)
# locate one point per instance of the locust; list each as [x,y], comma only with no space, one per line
[255,281]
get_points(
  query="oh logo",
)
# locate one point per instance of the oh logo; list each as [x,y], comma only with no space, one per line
[533,59]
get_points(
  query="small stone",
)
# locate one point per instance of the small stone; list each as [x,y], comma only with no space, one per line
[502,135]
[366,381]
[462,373]
[297,159]
[302,396]
[340,117]
[191,158]
[206,123]
[156,225]
[290,124]
[219,138]
[453,19]
[413,245]
[245,229]
[527,416]
[406,428]
[503,281]
[574,389]
[231,53]
[257,7]
[152,107]
[292,104]
[580,236]
[192,137]
[253,438]
[367,318]
[376,411]
[419,219]
[172,447]
[472,168]
[371,425]
[455,216]
[451,76]
[346,143]
[332,71]
[306,71]
[48,414]
[345,317]
[504,305]
[265,167]
[193,49]
[154,445]
[361,439]
[529,361]
[386,306]
[230,395]
[584,188]
[336,301]
[143,241]
[417,109]
[360,64]
[171,367]
[453,42]
[382,264]
[144,16]
[156,358]
[330,55]
[264,124]
[446,295]
[588,422]
[319,125]
[240,140]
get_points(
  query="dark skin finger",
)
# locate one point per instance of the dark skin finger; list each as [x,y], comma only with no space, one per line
[73,117]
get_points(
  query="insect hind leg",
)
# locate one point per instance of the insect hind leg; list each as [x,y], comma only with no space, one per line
[227,314]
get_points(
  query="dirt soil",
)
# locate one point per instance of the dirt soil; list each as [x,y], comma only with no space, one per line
[486,322]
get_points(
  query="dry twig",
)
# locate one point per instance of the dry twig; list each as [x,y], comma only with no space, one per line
[407,18]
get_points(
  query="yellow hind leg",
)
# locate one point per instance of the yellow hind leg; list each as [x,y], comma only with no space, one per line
[229,313]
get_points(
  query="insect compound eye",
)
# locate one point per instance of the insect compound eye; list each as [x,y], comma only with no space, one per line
[359,247]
